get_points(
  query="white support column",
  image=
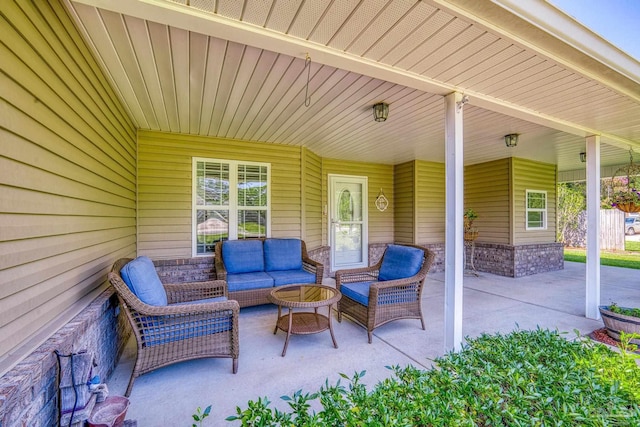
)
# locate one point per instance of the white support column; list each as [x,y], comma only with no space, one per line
[592,300]
[454,243]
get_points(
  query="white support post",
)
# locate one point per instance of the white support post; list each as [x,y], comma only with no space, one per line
[454,242]
[592,300]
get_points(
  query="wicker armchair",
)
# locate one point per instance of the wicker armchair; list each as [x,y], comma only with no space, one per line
[375,302]
[179,331]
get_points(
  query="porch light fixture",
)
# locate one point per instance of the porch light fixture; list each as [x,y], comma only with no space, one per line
[380,112]
[583,157]
[511,140]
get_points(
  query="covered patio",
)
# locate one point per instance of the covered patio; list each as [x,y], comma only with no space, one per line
[108,106]
[491,304]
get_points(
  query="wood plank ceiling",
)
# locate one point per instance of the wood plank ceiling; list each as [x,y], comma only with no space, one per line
[174,73]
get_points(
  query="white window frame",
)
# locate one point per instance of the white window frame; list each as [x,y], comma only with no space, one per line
[232,206]
[542,210]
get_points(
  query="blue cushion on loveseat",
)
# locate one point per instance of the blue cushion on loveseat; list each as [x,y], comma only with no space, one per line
[243,256]
[289,277]
[141,278]
[400,262]
[282,254]
[249,281]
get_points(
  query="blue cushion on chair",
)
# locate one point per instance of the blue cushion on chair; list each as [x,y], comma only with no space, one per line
[358,291]
[282,254]
[400,262]
[243,256]
[141,277]
[289,277]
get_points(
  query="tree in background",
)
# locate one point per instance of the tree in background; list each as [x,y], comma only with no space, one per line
[571,202]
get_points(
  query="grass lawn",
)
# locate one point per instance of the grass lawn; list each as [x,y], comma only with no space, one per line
[630,258]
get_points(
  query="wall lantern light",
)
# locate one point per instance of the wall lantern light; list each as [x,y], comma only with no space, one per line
[380,112]
[511,140]
[583,157]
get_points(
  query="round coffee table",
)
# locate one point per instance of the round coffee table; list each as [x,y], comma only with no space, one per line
[304,322]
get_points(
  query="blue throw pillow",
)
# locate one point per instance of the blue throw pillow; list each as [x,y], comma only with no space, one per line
[282,254]
[400,262]
[141,277]
[243,256]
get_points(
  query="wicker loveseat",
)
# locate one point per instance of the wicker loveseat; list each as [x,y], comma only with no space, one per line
[252,267]
[387,291]
[174,322]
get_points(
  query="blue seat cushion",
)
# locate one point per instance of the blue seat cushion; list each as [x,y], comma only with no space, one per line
[400,262]
[290,277]
[249,281]
[142,279]
[282,254]
[201,301]
[243,256]
[357,291]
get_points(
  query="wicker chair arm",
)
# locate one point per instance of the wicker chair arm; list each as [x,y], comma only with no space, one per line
[221,271]
[364,274]
[152,310]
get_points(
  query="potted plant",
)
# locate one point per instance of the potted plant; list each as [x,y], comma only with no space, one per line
[621,319]
[626,201]
[470,232]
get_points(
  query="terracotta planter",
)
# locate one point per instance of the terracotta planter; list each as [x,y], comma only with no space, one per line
[616,323]
[471,235]
[628,207]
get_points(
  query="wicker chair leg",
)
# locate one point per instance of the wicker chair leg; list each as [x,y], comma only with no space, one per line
[235,365]
[339,316]
[130,385]
[422,321]
[370,333]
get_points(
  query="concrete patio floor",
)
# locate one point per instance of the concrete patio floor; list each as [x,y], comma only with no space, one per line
[169,396]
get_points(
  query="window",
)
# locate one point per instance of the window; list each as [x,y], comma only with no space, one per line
[230,201]
[536,210]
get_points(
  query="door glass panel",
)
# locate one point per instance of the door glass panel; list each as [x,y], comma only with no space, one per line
[347,221]
[348,244]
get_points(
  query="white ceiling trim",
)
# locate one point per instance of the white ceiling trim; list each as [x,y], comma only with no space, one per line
[190,19]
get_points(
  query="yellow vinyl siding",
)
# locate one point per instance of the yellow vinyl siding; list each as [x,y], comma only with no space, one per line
[404,176]
[531,175]
[67,162]
[311,199]
[380,176]
[487,191]
[430,202]
[165,191]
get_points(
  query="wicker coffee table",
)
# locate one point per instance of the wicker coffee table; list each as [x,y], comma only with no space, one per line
[304,322]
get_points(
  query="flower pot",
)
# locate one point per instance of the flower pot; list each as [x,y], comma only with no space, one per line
[470,235]
[628,207]
[616,323]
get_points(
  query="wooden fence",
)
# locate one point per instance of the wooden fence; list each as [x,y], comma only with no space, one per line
[611,229]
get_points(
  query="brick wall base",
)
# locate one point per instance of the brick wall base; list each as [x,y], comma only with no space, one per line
[29,391]
[516,261]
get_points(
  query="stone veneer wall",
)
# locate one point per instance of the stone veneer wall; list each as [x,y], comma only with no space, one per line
[199,269]
[29,391]
[517,261]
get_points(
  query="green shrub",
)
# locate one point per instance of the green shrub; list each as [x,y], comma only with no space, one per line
[525,378]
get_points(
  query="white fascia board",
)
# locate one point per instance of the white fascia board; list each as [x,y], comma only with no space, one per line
[557,23]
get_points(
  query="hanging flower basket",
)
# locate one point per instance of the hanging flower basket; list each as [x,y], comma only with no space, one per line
[628,207]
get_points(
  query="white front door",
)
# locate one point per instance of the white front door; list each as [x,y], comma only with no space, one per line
[348,221]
